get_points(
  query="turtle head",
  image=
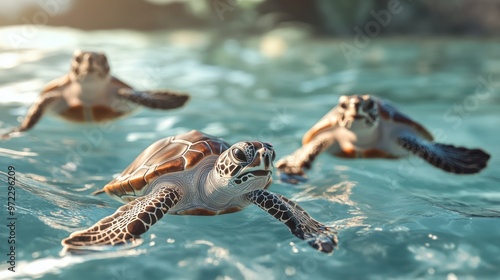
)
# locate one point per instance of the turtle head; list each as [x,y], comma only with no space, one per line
[246,166]
[89,66]
[359,114]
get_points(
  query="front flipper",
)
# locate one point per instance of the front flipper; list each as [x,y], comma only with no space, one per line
[159,99]
[127,223]
[294,217]
[292,166]
[449,158]
[35,112]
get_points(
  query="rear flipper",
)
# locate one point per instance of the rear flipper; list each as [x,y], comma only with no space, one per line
[458,160]
[158,99]
[127,223]
[319,236]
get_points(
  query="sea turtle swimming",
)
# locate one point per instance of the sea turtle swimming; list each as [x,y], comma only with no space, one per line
[196,174]
[88,93]
[368,127]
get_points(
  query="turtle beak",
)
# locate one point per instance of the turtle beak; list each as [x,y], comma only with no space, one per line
[263,159]
[269,183]
[325,124]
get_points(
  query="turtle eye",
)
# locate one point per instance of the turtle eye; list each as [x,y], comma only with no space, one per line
[78,59]
[343,105]
[240,155]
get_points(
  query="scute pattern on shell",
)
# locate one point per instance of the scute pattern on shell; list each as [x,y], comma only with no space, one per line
[389,112]
[168,155]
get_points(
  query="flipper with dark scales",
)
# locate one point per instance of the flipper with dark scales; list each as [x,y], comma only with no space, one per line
[458,160]
[302,225]
[128,222]
[158,99]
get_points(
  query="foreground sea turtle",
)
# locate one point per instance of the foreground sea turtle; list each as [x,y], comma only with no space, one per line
[367,127]
[196,174]
[88,93]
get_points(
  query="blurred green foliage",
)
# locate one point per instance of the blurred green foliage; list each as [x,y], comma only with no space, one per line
[323,17]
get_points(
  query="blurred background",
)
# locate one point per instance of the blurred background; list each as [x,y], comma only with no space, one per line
[322,17]
[266,70]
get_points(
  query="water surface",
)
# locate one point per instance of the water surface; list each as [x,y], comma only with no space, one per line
[396,219]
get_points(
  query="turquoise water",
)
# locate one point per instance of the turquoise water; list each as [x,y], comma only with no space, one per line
[396,219]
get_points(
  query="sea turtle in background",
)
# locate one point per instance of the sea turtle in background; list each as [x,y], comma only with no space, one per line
[195,174]
[88,93]
[368,127]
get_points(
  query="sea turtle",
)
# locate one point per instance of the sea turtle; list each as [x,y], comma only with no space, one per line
[88,93]
[195,174]
[368,127]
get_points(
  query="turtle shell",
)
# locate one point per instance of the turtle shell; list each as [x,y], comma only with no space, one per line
[169,155]
[389,112]
[77,112]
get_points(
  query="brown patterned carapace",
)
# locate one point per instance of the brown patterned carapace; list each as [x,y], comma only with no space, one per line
[168,155]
